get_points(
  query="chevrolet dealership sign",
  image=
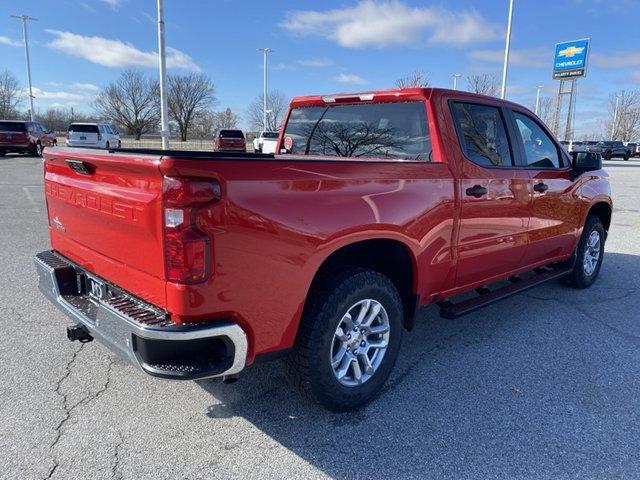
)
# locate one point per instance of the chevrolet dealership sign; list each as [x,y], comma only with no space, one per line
[571,59]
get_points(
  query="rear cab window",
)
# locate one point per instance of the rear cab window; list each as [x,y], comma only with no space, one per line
[482,134]
[363,130]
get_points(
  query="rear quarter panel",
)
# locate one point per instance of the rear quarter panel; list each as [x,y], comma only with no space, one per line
[279,220]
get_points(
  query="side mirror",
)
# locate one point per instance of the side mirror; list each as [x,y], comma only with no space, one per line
[586,161]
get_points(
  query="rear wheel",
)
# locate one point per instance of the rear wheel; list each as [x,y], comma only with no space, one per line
[626,156]
[589,254]
[348,339]
[2,153]
[607,155]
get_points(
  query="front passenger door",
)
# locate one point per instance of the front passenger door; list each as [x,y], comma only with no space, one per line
[553,228]
[494,196]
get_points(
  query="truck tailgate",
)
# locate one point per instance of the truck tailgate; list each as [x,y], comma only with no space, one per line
[105,213]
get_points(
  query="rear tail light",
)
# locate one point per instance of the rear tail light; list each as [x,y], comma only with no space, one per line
[67,135]
[99,136]
[187,249]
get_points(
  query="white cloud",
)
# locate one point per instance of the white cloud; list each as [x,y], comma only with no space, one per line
[281,66]
[10,41]
[90,87]
[316,62]
[115,53]
[617,60]
[60,96]
[518,58]
[113,3]
[349,78]
[380,24]
[635,76]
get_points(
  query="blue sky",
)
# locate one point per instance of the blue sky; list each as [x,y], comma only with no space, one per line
[322,47]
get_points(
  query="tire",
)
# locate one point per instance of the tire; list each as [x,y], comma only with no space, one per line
[37,150]
[607,155]
[626,157]
[309,365]
[2,153]
[582,275]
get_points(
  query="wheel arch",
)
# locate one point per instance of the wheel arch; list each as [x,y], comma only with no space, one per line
[388,256]
[603,211]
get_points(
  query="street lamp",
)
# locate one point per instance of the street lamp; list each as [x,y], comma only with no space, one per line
[614,126]
[164,120]
[455,76]
[24,19]
[265,52]
[507,47]
[539,87]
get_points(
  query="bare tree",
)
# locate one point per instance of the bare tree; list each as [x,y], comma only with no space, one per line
[484,84]
[133,101]
[277,105]
[625,125]
[189,96]
[9,95]
[416,79]
[225,119]
[58,119]
[547,110]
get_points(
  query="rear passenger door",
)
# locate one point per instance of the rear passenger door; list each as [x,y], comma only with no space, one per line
[554,217]
[494,193]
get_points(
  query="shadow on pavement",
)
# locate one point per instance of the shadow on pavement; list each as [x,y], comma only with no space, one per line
[543,385]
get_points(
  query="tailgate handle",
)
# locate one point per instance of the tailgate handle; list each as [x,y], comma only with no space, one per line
[84,168]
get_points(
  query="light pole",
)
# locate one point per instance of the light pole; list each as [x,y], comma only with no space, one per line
[455,76]
[539,87]
[24,19]
[162,65]
[507,47]
[614,126]
[265,52]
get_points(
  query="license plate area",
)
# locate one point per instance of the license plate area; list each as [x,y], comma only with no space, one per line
[82,137]
[96,288]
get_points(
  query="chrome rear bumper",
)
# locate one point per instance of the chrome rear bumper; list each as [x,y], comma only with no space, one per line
[138,331]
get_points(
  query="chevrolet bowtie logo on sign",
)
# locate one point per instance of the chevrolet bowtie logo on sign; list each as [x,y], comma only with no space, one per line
[570,51]
[570,60]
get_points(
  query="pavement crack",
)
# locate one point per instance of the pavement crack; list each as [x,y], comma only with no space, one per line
[115,474]
[65,406]
[69,409]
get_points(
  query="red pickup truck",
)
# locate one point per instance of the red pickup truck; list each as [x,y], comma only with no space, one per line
[197,264]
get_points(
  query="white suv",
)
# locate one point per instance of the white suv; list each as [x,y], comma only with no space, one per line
[100,135]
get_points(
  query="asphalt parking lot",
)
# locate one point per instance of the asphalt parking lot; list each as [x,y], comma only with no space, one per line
[542,385]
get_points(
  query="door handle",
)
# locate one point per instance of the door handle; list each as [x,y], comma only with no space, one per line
[476,191]
[541,187]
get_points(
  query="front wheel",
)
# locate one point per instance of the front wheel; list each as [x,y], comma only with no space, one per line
[626,156]
[348,339]
[589,254]
[37,150]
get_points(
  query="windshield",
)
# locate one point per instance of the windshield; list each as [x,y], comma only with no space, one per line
[13,126]
[387,130]
[75,127]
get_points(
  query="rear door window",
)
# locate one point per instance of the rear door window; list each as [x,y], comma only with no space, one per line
[539,149]
[13,127]
[74,127]
[381,130]
[482,134]
[231,134]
